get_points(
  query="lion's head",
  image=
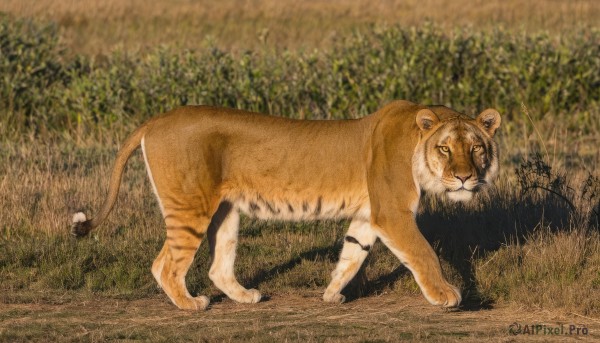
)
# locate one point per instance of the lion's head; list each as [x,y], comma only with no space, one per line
[456,154]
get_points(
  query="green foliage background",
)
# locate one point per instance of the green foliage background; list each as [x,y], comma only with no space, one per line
[44,90]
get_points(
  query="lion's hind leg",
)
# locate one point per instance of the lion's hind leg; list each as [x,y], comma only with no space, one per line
[159,263]
[357,243]
[223,238]
[185,232]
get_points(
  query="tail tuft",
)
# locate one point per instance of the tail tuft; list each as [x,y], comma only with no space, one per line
[81,225]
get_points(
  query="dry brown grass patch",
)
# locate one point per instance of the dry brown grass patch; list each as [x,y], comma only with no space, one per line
[96,27]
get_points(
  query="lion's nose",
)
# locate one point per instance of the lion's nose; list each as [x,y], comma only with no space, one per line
[463,177]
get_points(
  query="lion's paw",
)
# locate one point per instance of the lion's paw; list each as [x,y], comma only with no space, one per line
[199,303]
[334,298]
[250,296]
[445,296]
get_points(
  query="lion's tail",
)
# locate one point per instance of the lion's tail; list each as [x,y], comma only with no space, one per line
[81,225]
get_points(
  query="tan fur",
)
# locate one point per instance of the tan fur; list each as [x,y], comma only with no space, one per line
[207,164]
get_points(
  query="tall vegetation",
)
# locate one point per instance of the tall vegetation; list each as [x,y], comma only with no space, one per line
[44,91]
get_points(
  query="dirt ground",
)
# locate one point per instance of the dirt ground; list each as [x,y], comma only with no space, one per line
[283,318]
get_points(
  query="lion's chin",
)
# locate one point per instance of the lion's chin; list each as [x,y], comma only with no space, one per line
[460,195]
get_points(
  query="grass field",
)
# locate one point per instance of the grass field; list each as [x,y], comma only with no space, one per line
[99,27]
[77,78]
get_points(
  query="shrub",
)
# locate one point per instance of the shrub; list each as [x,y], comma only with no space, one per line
[44,91]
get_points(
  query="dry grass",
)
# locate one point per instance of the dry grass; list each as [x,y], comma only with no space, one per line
[97,26]
[561,257]
[305,318]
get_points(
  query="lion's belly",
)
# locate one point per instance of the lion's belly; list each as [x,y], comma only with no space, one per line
[295,208]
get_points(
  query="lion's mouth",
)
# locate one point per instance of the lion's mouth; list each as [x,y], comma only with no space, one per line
[473,187]
[461,188]
[460,194]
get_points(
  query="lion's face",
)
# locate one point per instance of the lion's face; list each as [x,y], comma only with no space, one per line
[456,156]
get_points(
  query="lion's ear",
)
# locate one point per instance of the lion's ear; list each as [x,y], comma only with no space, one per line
[426,119]
[489,120]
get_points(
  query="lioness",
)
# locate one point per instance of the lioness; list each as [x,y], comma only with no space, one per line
[208,164]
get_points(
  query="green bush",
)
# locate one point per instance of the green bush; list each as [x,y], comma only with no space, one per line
[43,90]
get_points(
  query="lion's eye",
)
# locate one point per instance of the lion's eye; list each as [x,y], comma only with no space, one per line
[444,149]
[476,148]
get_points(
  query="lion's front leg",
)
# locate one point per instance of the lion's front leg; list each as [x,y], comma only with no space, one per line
[357,243]
[402,236]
